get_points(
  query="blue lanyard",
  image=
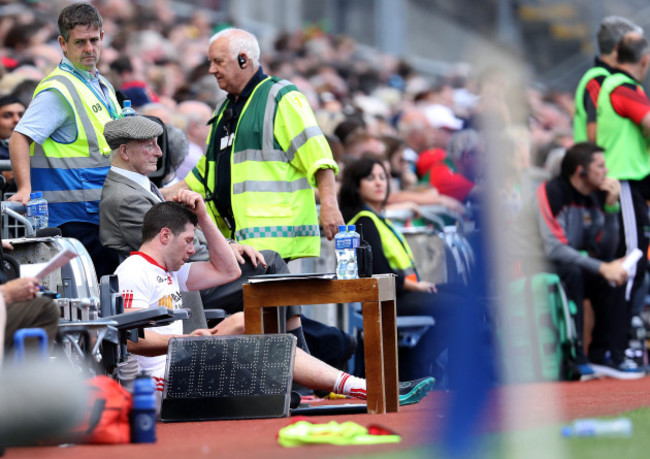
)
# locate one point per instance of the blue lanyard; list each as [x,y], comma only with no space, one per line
[109,106]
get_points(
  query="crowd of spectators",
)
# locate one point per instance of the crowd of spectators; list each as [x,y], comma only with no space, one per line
[366,103]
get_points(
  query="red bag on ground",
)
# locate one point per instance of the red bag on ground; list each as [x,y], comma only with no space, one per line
[107,417]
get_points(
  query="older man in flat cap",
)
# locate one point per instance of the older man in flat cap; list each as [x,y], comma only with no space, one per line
[128,193]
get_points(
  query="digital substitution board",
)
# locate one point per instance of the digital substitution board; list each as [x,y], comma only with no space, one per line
[228,377]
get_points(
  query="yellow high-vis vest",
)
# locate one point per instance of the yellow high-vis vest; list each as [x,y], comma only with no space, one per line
[277,149]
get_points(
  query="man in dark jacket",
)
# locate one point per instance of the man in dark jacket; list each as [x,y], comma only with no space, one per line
[572,228]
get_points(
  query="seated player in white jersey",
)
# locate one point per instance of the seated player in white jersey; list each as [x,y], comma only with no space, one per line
[156,274]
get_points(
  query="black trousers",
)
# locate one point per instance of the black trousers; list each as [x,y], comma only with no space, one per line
[610,311]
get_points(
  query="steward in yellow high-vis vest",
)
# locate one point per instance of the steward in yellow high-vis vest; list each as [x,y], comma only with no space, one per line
[71,175]
[58,147]
[265,155]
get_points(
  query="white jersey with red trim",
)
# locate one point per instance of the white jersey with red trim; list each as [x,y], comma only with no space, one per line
[146,284]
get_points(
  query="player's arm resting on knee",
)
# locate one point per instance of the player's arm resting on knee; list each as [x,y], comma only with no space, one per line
[151,345]
[223,266]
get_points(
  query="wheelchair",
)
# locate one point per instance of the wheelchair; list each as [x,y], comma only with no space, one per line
[93,328]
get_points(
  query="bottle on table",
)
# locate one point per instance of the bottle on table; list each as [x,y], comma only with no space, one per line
[346,241]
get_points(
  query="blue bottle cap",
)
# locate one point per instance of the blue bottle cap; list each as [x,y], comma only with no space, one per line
[342,228]
[35,195]
[352,227]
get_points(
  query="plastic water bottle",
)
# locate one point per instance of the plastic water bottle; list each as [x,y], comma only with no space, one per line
[589,427]
[143,413]
[37,211]
[346,254]
[127,110]
[353,266]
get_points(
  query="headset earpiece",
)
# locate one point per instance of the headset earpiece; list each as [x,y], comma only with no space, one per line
[583,172]
[241,60]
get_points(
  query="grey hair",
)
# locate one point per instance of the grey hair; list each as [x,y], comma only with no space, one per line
[461,142]
[240,41]
[612,30]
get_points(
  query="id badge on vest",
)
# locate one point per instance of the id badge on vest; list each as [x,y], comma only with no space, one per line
[226,141]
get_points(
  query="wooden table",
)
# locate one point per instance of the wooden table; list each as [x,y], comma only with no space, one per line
[377,296]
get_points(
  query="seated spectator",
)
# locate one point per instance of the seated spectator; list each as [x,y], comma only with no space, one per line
[402,176]
[455,172]
[443,124]
[159,271]
[134,89]
[362,198]
[349,126]
[572,229]
[24,308]
[360,143]
[11,110]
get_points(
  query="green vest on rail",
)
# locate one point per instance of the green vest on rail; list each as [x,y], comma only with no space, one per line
[626,149]
[71,175]
[272,198]
[580,116]
[396,249]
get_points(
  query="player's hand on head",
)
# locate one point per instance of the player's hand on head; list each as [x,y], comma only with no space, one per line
[193,201]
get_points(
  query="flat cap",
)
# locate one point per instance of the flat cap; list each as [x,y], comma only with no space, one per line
[124,130]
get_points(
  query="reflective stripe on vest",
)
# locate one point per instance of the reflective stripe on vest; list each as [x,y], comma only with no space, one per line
[259,186]
[278,231]
[269,113]
[395,248]
[94,194]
